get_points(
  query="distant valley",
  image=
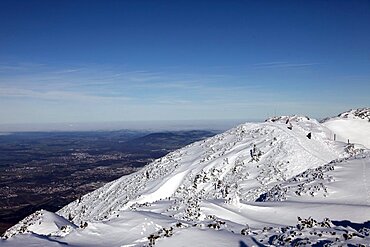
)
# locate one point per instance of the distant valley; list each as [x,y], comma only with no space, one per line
[50,169]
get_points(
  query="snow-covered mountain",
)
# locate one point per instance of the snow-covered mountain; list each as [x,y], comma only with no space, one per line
[281,182]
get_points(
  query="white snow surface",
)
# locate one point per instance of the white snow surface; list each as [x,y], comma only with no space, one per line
[244,187]
[353,125]
[355,130]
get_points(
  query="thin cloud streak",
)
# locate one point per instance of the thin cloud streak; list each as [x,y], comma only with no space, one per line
[133,89]
[277,65]
[54,95]
[110,94]
[101,81]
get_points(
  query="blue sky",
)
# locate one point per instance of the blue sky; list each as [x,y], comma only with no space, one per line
[102,61]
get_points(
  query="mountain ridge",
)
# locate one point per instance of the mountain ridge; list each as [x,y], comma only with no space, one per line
[287,165]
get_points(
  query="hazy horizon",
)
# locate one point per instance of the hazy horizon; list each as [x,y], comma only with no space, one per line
[156,125]
[151,125]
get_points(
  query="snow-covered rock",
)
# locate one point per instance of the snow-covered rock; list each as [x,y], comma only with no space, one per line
[361,113]
[243,187]
[42,222]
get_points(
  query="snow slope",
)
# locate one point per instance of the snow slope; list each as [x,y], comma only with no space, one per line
[353,125]
[244,187]
[215,168]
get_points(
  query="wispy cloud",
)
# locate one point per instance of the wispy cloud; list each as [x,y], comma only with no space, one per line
[19,67]
[54,95]
[100,82]
[67,71]
[114,88]
[104,93]
[288,65]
